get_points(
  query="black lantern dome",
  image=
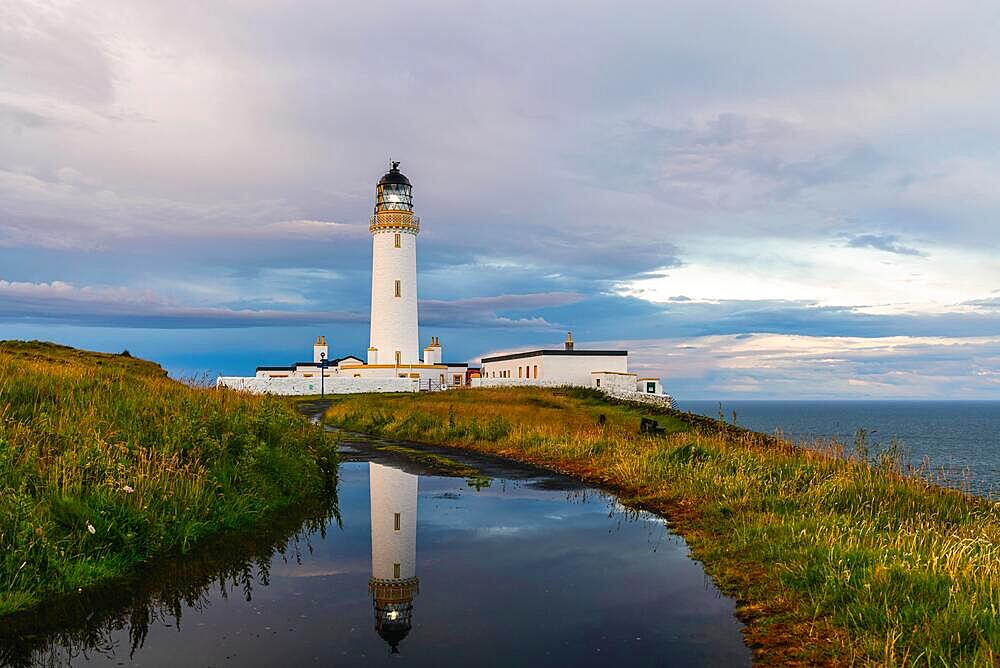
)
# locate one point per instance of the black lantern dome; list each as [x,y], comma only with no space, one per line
[394,191]
[393,622]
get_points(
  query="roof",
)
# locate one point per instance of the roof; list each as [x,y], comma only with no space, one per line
[455,363]
[394,176]
[329,363]
[535,353]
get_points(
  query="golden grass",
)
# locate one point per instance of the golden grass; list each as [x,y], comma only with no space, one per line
[833,559]
[105,462]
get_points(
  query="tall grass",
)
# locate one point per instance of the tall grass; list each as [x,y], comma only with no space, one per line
[833,558]
[105,463]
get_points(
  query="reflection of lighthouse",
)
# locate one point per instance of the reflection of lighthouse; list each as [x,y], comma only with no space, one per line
[393,583]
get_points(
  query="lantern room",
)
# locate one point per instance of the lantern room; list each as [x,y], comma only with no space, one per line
[394,192]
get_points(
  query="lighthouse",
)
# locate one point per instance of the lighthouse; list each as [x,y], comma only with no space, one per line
[394,228]
[393,362]
[393,583]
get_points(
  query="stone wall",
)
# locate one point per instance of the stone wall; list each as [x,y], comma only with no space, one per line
[660,400]
[302,386]
[613,382]
[520,382]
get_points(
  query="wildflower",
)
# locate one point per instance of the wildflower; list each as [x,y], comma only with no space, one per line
[127,489]
[90,527]
[39,531]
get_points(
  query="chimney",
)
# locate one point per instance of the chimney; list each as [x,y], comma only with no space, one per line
[320,349]
[569,341]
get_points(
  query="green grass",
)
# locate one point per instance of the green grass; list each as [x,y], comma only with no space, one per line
[440,464]
[106,463]
[833,558]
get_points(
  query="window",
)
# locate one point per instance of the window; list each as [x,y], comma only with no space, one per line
[399,288]
[598,382]
[395,522]
[399,240]
[399,358]
[518,372]
[536,372]
[395,571]
[651,388]
[456,379]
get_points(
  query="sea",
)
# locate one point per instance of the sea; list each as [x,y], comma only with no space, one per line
[960,439]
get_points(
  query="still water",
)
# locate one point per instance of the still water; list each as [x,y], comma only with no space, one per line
[513,567]
[961,439]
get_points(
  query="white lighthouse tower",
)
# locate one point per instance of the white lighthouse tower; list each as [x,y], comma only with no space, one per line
[393,583]
[394,228]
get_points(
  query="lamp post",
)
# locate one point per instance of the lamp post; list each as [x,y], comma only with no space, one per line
[322,374]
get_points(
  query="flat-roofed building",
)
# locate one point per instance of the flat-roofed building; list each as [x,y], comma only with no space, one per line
[569,366]
[553,367]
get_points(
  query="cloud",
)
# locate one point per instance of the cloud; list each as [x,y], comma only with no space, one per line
[855,275]
[685,168]
[885,242]
[988,304]
[780,365]
[63,302]
[60,302]
[490,311]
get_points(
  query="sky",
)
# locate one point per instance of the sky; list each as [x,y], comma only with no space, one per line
[756,199]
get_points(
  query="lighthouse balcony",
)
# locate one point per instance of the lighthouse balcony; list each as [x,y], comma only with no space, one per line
[394,220]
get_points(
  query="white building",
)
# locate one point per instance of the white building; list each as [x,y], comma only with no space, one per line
[606,370]
[394,582]
[393,362]
[394,231]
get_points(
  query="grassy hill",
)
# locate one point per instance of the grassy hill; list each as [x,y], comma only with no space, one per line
[834,557]
[105,463]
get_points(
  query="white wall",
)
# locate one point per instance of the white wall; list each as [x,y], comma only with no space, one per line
[511,366]
[664,400]
[558,369]
[394,319]
[514,382]
[622,382]
[393,491]
[641,385]
[296,385]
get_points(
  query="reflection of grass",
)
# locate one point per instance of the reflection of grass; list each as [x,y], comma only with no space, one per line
[440,464]
[834,557]
[231,563]
[105,463]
